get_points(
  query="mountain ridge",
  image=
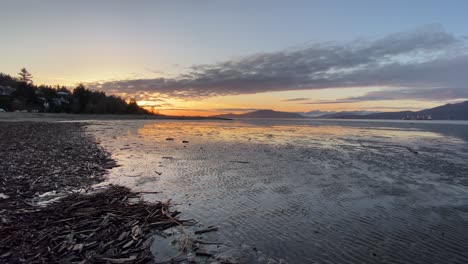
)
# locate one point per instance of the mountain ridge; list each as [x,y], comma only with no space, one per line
[457,111]
[356,113]
[262,114]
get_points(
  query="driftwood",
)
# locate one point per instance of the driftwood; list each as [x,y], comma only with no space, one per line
[105,227]
[209,229]
[239,161]
[42,157]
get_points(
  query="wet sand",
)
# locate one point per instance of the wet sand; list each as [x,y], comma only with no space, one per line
[306,191]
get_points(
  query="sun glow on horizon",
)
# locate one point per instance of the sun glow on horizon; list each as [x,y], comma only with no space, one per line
[278,101]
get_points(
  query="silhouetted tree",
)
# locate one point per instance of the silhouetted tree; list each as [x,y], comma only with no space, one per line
[133,107]
[47,92]
[7,80]
[81,96]
[63,89]
[6,102]
[25,92]
[25,76]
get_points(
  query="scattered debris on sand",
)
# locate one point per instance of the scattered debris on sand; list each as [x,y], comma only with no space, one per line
[39,157]
[209,229]
[239,161]
[412,150]
[109,226]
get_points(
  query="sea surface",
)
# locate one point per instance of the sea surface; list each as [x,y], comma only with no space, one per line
[306,191]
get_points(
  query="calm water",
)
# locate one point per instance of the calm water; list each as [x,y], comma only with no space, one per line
[307,191]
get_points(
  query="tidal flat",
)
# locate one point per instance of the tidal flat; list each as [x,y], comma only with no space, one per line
[305,191]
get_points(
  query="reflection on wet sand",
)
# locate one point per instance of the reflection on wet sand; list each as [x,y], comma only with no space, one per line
[307,191]
[275,133]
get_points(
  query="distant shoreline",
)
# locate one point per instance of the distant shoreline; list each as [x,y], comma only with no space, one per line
[15,116]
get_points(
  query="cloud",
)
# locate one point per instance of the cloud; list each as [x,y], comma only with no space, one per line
[295,99]
[154,104]
[437,94]
[339,101]
[237,109]
[153,70]
[422,94]
[427,57]
[392,107]
[215,109]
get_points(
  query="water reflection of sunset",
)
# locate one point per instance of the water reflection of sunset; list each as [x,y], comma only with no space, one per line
[276,133]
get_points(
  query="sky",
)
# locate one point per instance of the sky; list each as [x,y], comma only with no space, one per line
[211,57]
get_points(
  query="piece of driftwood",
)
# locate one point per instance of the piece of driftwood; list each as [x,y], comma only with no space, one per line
[210,229]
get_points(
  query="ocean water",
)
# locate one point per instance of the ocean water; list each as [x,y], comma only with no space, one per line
[306,191]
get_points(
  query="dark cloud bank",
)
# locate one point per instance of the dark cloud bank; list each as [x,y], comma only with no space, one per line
[423,64]
[295,99]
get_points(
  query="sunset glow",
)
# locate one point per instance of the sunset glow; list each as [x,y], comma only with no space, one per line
[234,62]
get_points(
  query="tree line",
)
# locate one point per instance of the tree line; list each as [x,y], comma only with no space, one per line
[20,94]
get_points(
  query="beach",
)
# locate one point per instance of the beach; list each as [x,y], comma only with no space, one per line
[51,209]
[298,191]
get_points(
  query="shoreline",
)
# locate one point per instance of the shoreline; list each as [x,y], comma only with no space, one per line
[15,116]
[106,225]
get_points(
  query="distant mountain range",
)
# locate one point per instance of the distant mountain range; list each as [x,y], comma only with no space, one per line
[262,114]
[457,111]
[316,113]
[346,113]
[330,114]
[445,112]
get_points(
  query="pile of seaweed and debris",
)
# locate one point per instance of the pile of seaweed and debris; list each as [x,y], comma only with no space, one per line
[107,225]
[39,157]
